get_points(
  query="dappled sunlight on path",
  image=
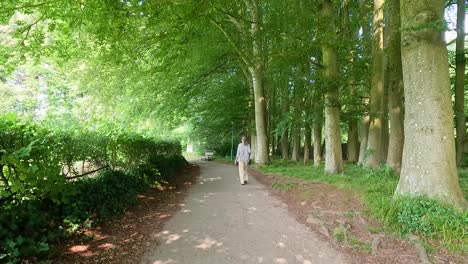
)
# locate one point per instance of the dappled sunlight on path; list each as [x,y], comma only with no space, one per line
[224,222]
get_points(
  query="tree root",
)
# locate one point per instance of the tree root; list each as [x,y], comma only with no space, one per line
[375,244]
[422,251]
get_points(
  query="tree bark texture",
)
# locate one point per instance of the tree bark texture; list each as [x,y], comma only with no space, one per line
[307,142]
[285,134]
[353,135]
[365,123]
[395,87]
[333,153]
[460,83]
[428,165]
[297,124]
[257,71]
[375,130]
[317,142]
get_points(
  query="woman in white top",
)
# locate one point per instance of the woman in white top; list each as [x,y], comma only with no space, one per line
[243,159]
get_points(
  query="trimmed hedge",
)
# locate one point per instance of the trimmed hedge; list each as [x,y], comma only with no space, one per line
[39,205]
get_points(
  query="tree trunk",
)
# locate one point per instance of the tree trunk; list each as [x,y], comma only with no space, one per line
[460,82]
[285,134]
[353,137]
[253,146]
[385,99]
[333,154]
[296,138]
[365,123]
[317,143]
[285,145]
[297,122]
[365,10]
[385,127]
[307,142]
[395,87]
[375,130]
[257,72]
[353,141]
[428,165]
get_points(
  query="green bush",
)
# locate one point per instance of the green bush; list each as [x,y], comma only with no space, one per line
[104,196]
[39,205]
[27,230]
[431,219]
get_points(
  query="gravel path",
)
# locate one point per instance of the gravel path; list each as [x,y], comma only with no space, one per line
[225,222]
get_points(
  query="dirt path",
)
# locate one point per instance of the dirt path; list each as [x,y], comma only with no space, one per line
[225,222]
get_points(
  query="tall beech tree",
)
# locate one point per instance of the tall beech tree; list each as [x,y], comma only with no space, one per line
[333,152]
[428,165]
[460,83]
[395,86]
[374,143]
[365,10]
[250,51]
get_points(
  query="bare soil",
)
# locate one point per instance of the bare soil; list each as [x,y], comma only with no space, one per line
[338,215]
[125,239]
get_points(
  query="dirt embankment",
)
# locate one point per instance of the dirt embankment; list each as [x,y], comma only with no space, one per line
[125,239]
[338,215]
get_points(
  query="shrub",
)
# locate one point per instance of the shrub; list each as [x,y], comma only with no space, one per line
[39,205]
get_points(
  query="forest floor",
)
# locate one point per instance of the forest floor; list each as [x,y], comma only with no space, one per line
[125,239]
[272,219]
[339,217]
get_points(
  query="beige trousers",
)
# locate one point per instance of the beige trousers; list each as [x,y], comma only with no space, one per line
[243,176]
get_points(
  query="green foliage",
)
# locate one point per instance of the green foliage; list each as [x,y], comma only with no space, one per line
[40,205]
[463,176]
[421,216]
[431,219]
[283,186]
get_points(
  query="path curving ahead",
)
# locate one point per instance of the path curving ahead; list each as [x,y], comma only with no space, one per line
[225,222]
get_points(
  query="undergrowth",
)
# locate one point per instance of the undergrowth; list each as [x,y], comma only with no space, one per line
[427,218]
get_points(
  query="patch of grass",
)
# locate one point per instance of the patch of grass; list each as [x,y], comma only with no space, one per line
[358,244]
[430,219]
[283,186]
[463,174]
[425,217]
[339,235]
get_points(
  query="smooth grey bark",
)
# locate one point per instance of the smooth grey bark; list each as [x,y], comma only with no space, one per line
[333,153]
[297,124]
[365,123]
[257,71]
[460,83]
[307,142]
[428,165]
[377,89]
[385,126]
[395,87]
[365,10]
[285,145]
[253,145]
[353,135]
[353,141]
[317,142]
[285,134]
[296,138]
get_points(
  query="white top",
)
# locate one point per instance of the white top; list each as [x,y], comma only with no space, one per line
[243,152]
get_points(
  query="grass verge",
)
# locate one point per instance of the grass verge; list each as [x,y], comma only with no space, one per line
[439,225]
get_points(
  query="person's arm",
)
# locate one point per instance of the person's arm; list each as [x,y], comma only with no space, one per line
[237,154]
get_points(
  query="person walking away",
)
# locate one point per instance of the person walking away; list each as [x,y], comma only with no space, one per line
[243,159]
